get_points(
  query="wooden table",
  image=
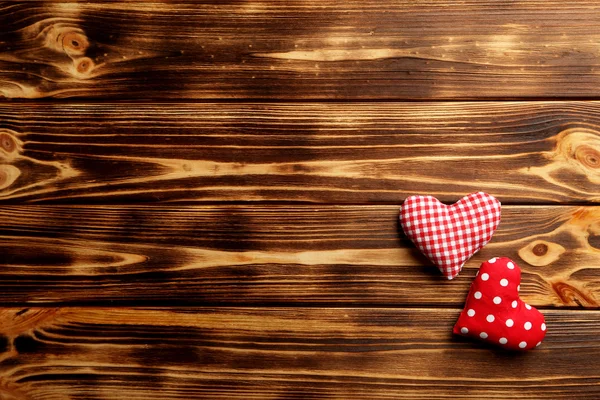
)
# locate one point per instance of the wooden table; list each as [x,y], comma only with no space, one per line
[199,199]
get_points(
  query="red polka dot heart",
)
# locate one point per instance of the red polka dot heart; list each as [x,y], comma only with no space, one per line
[495,313]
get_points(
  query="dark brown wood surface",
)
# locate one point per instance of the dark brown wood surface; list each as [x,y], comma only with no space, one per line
[199,198]
[300,49]
[283,353]
[274,255]
[533,152]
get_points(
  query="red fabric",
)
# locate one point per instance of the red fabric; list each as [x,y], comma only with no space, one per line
[495,313]
[450,235]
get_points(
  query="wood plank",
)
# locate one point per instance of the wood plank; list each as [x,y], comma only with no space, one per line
[521,152]
[275,255]
[115,353]
[301,49]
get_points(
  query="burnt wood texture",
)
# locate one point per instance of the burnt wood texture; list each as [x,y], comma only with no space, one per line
[532,152]
[289,353]
[338,255]
[300,49]
[199,199]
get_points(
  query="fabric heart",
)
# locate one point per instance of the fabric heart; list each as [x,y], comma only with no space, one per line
[495,313]
[450,235]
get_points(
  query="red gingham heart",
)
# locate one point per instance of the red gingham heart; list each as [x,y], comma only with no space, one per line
[450,235]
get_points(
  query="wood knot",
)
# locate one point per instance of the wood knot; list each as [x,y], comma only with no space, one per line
[74,43]
[84,65]
[540,253]
[579,148]
[10,145]
[7,142]
[588,156]
[540,249]
[62,37]
[8,175]
[572,296]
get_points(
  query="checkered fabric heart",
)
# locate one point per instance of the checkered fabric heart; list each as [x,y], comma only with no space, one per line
[450,235]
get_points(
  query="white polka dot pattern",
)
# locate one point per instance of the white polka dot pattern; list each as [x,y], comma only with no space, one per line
[450,235]
[494,312]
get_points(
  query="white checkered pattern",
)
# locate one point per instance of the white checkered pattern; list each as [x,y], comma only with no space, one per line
[450,235]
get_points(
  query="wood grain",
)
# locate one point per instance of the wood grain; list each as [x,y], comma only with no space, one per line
[245,353]
[257,293]
[521,152]
[300,49]
[275,255]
